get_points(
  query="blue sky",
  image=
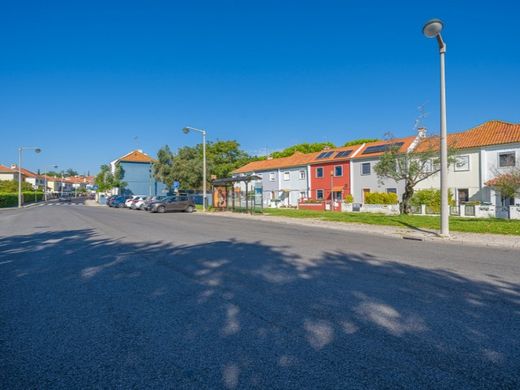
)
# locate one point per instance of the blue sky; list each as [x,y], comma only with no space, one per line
[82,79]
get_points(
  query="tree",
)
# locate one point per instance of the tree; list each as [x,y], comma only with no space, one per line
[303,148]
[71,172]
[106,181]
[361,141]
[411,167]
[508,183]
[163,169]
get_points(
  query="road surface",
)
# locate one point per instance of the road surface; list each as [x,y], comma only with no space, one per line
[113,298]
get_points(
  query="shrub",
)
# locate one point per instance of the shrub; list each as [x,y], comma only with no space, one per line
[431,198]
[349,198]
[381,198]
[11,199]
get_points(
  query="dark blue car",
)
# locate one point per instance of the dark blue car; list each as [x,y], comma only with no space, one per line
[119,201]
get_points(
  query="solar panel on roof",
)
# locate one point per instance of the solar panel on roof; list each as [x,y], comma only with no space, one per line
[382,148]
[344,153]
[324,155]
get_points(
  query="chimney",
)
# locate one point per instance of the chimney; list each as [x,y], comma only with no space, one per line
[14,166]
[326,148]
[269,157]
[421,132]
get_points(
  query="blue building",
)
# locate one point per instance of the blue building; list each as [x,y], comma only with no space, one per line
[138,174]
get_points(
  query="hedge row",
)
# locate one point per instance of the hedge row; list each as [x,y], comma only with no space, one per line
[11,199]
[381,198]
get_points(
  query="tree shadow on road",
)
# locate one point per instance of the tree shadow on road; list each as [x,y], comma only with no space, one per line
[79,309]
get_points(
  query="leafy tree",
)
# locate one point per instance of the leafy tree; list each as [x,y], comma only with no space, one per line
[303,148]
[71,172]
[11,186]
[105,180]
[508,183]
[53,173]
[361,141]
[163,168]
[412,167]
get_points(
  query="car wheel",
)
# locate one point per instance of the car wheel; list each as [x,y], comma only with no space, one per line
[161,209]
[189,209]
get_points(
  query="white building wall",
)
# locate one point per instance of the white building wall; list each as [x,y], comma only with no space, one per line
[371,181]
[460,178]
[491,168]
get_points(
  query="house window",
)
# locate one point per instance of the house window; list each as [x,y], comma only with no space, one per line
[301,175]
[506,159]
[319,172]
[365,169]
[338,170]
[391,190]
[428,166]
[463,194]
[461,163]
[286,175]
[319,194]
[271,176]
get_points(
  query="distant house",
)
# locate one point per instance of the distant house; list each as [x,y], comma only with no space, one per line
[7,173]
[482,153]
[330,173]
[34,179]
[138,174]
[284,180]
[365,180]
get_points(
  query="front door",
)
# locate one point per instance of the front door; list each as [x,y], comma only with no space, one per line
[366,191]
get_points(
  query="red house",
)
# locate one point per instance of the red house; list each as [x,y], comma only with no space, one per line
[330,173]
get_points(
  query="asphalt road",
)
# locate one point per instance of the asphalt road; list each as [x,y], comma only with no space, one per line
[93,297]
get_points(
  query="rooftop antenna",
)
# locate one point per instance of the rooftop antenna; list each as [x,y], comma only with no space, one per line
[422,114]
[136,140]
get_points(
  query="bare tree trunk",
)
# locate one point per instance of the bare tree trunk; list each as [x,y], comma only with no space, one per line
[407,197]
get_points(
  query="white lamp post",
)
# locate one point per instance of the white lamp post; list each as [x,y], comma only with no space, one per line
[20,151]
[186,130]
[432,29]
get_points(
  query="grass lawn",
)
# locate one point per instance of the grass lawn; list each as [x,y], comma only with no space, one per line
[471,225]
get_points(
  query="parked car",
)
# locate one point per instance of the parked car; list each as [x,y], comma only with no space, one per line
[148,202]
[130,199]
[119,201]
[110,199]
[136,203]
[65,198]
[173,203]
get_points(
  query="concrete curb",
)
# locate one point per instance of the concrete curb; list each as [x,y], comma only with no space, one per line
[457,238]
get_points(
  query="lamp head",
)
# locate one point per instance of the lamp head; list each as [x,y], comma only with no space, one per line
[186,130]
[37,150]
[432,28]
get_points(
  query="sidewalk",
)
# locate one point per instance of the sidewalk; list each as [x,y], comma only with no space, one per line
[459,238]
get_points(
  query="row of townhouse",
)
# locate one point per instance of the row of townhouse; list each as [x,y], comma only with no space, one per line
[482,153]
[51,183]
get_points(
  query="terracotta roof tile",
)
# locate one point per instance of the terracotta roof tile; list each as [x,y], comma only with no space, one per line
[297,159]
[136,156]
[487,134]
[4,169]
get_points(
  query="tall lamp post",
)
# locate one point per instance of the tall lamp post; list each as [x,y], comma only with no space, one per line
[432,29]
[45,177]
[186,130]
[20,152]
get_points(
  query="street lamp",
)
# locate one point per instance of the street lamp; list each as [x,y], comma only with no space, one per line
[186,130]
[20,151]
[45,177]
[432,29]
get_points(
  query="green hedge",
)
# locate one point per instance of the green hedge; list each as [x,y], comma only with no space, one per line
[381,198]
[431,198]
[11,199]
